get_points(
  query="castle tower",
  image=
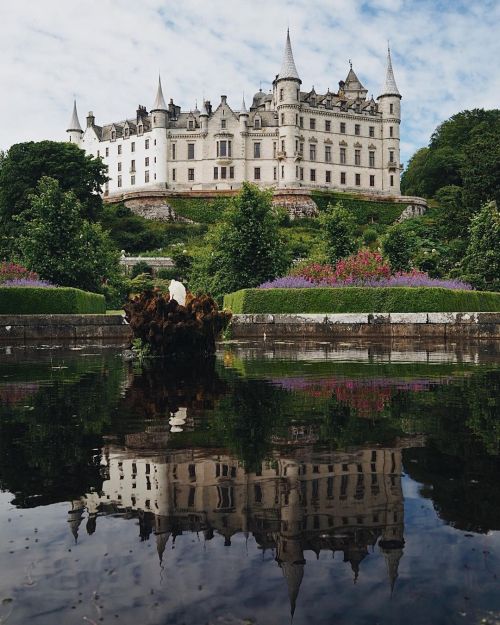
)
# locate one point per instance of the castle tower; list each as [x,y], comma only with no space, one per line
[159,123]
[389,102]
[74,130]
[287,90]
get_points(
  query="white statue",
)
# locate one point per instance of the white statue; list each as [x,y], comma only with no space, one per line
[177,291]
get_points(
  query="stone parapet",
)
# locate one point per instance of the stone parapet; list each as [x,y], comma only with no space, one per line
[439,326]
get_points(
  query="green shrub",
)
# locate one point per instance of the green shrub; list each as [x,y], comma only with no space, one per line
[200,210]
[370,235]
[360,300]
[141,267]
[46,301]
[363,211]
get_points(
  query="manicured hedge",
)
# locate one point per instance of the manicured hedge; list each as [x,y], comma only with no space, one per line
[45,301]
[364,211]
[360,300]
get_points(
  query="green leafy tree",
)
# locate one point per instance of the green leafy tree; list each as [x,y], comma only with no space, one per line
[244,249]
[481,265]
[62,246]
[339,232]
[412,178]
[398,246]
[481,168]
[26,163]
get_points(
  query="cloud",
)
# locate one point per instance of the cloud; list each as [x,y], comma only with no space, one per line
[107,54]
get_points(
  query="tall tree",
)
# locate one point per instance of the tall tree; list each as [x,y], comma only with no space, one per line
[62,246]
[244,249]
[481,167]
[339,232]
[399,246]
[481,264]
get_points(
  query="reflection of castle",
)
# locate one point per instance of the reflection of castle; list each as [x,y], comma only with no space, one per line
[338,501]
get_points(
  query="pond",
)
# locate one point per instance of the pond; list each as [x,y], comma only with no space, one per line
[319,483]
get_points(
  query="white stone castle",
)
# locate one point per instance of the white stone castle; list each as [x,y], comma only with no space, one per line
[289,139]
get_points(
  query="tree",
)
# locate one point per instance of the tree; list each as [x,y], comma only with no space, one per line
[481,168]
[481,264]
[411,180]
[399,246]
[62,246]
[453,217]
[24,165]
[338,227]
[244,249]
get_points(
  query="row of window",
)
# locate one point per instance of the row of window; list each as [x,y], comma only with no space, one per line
[119,179]
[120,148]
[299,121]
[132,164]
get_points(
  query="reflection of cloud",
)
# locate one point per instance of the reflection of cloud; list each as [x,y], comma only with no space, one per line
[57,50]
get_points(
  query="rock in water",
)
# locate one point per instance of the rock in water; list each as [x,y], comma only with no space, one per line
[177,291]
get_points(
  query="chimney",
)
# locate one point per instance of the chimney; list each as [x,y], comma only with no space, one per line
[90,119]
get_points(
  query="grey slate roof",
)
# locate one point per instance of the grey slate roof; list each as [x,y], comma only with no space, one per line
[74,123]
[288,69]
[390,87]
[159,104]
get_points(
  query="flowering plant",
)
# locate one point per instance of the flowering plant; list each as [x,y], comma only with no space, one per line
[27,282]
[12,271]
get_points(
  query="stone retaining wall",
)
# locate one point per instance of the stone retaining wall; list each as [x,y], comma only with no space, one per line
[63,327]
[439,326]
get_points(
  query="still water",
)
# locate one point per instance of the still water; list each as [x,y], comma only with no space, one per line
[316,483]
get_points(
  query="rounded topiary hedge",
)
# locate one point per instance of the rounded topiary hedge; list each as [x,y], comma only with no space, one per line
[360,300]
[16,300]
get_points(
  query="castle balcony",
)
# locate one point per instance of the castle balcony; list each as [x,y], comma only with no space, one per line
[281,155]
[224,160]
[298,156]
[392,165]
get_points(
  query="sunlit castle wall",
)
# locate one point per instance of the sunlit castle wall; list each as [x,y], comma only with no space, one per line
[287,138]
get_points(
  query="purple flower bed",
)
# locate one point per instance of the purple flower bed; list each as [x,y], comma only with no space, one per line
[405,280]
[27,282]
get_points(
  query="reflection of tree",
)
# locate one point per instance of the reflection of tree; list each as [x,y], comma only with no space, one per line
[46,447]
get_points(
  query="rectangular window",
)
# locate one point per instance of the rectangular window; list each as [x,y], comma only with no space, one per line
[190,151]
[282,118]
[274,149]
[256,173]
[281,95]
[357,129]
[256,150]
[328,176]
[216,173]
[282,145]
[301,122]
[146,144]
[119,149]
[119,181]
[391,156]
[328,125]
[357,157]
[132,165]
[119,166]
[231,172]
[275,173]
[312,123]
[392,181]
[313,175]
[358,180]
[391,108]
[223,124]
[146,176]
[223,173]
[342,127]
[372,181]
[342,177]
[132,146]
[132,180]
[342,156]
[146,161]
[107,151]
[328,153]
[371,131]
[174,151]
[312,152]
[371,157]
[302,173]
[391,131]
[173,175]
[190,174]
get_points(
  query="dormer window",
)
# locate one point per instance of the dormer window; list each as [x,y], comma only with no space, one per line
[191,124]
[140,129]
[257,123]
[126,133]
[223,124]
[313,100]
[113,135]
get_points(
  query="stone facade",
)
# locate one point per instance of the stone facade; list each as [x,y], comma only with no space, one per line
[290,138]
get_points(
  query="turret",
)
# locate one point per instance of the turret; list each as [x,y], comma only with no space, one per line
[389,103]
[159,111]
[243,116]
[287,93]
[203,117]
[159,123]
[74,130]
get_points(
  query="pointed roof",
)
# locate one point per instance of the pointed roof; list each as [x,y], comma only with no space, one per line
[293,572]
[204,110]
[288,69]
[352,82]
[159,104]
[74,123]
[390,87]
[243,109]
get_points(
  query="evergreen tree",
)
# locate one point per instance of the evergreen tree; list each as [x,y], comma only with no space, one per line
[244,249]
[60,245]
[339,232]
[399,246]
[481,265]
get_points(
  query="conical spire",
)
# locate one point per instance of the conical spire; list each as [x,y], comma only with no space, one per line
[293,572]
[288,69]
[159,104]
[74,124]
[203,111]
[243,109]
[390,87]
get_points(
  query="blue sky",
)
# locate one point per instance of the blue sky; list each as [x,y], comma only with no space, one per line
[107,54]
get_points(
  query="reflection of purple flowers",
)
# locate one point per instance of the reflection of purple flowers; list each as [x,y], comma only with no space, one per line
[27,282]
[415,279]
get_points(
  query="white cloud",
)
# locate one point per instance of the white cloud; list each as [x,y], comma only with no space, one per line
[107,54]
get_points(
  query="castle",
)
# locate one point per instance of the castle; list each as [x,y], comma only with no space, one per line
[288,139]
